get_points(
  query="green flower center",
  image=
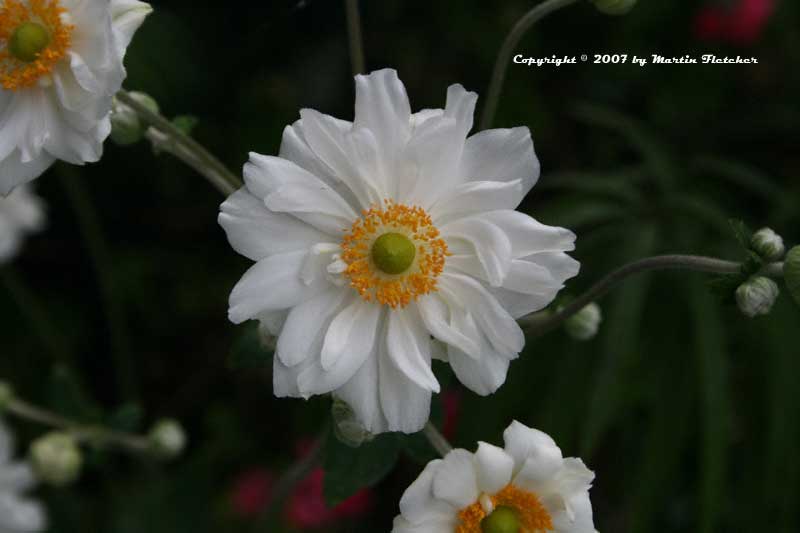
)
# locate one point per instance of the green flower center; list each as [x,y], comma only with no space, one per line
[393,253]
[28,41]
[502,520]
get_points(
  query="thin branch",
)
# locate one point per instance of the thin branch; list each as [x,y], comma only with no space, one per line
[186,148]
[540,323]
[355,38]
[436,439]
[509,47]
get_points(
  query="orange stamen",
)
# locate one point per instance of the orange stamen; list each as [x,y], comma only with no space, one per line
[532,516]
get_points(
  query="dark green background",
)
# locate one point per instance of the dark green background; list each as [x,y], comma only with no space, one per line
[686,410]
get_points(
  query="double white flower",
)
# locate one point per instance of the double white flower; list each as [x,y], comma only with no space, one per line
[17,513]
[61,61]
[527,486]
[21,213]
[374,236]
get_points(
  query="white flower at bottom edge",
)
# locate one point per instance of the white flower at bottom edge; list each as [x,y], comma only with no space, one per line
[21,213]
[61,61]
[372,237]
[529,477]
[18,514]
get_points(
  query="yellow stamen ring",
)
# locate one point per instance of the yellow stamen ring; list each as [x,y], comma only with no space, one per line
[34,37]
[393,254]
[531,516]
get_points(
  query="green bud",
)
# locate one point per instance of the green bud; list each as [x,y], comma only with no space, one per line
[584,324]
[614,7]
[393,253]
[28,41]
[56,458]
[501,520]
[126,126]
[767,244]
[347,428]
[791,273]
[756,296]
[168,438]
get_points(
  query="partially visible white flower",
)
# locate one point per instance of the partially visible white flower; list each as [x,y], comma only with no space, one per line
[373,237]
[21,213]
[18,514]
[528,482]
[61,61]
[757,295]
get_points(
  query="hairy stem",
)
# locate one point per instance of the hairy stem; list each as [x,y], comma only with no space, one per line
[96,435]
[185,148]
[355,39]
[436,439]
[507,50]
[542,322]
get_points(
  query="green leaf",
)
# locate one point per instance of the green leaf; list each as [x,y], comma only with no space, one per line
[791,273]
[348,470]
[740,175]
[724,287]
[742,232]
[186,123]
[249,350]
[127,417]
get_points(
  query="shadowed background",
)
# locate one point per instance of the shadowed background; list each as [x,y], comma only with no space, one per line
[685,409]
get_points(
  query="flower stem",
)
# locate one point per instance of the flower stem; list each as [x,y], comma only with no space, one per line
[95,435]
[436,439]
[509,46]
[35,313]
[356,41]
[185,148]
[542,322]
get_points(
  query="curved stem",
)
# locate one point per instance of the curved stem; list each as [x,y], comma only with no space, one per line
[436,439]
[185,148]
[504,56]
[95,435]
[540,323]
[355,39]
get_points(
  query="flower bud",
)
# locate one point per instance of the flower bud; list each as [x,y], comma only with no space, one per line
[768,244]
[6,395]
[126,126]
[614,7]
[168,438]
[584,324]
[56,458]
[346,426]
[756,296]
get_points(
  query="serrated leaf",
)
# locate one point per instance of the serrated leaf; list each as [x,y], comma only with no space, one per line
[724,287]
[791,273]
[186,123]
[348,470]
[249,351]
[742,232]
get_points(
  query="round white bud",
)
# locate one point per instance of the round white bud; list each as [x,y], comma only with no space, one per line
[768,244]
[126,126]
[56,458]
[584,324]
[756,296]
[347,427]
[168,438]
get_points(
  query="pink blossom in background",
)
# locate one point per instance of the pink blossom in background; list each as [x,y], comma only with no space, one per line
[740,24]
[306,508]
[251,492]
[451,404]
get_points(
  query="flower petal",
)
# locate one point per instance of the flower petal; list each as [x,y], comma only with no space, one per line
[491,245]
[476,197]
[483,374]
[435,314]
[298,335]
[494,468]
[528,236]
[502,155]
[534,451]
[352,331]
[418,504]
[455,482]
[408,346]
[361,394]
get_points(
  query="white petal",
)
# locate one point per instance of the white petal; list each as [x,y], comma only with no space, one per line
[405,405]
[16,477]
[483,374]
[305,323]
[494,468]
[418,504]
[490,244]
[19,515]
[436,315]
[401,525]
[461,108]
[529,236]
[499,327]
[455,481]
[13,172]
[408,347]
[256,232]
[432,157]
[504,155]
[127,16]
[352,331]
[476,197]
[270,285]
[361,393]
[533,451]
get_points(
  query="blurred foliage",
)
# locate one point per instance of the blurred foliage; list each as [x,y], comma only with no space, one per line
[686,410]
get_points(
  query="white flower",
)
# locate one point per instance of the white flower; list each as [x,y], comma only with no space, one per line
[528,480]
[60,65]
[21,213]
[18,514]
[372,237]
